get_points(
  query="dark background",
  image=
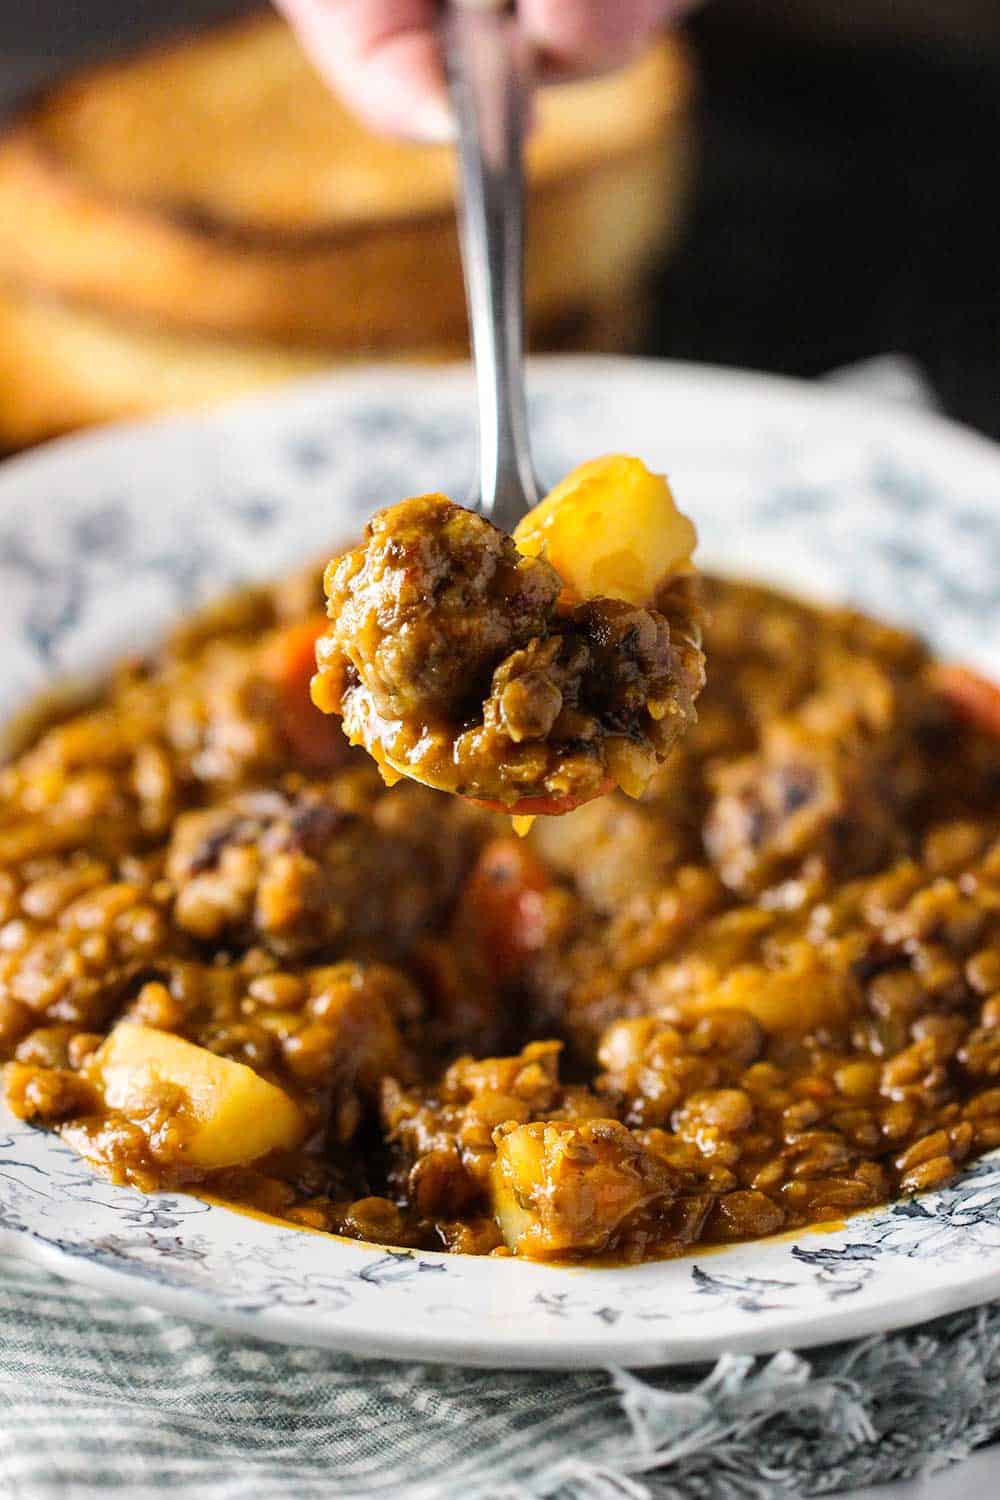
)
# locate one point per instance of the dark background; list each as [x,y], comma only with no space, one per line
[847,195]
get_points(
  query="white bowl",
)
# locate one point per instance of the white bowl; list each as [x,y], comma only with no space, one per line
[104,537]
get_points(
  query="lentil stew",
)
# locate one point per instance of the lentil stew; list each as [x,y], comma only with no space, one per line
[765,993]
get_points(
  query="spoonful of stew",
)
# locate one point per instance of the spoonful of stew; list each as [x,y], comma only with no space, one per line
[528,653]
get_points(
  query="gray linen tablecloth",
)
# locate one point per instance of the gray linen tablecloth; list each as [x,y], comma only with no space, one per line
[99,1397]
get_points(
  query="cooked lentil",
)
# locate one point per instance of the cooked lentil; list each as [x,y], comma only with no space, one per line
[765,994]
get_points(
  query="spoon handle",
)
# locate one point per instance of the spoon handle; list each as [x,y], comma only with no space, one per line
[489,76]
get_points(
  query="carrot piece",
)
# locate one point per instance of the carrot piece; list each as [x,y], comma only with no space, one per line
[289,660]
[541,807]
[502,905]
[973,697]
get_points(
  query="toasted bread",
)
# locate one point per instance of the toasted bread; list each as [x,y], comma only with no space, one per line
[63,366]
[214,185]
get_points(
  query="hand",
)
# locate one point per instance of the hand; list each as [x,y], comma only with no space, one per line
[382,55]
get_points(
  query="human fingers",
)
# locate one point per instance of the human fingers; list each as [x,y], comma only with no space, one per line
[382,56]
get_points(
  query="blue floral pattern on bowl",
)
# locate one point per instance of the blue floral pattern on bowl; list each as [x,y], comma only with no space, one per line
[103,539]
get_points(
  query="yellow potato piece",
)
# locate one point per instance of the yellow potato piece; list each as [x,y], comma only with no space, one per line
[800,998]
[564,1187]
[518,1169]
[232,1115]
[612,529]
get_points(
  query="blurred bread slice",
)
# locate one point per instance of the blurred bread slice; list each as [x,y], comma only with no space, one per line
[213,185]
[64,366]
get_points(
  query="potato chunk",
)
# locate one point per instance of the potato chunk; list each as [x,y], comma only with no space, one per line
[799,996]
[230,1116]
[610,529]
[562,1188]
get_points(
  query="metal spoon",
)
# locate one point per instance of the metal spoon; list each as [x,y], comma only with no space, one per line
[489,72]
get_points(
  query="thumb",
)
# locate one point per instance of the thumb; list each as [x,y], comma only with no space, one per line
[382,57]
